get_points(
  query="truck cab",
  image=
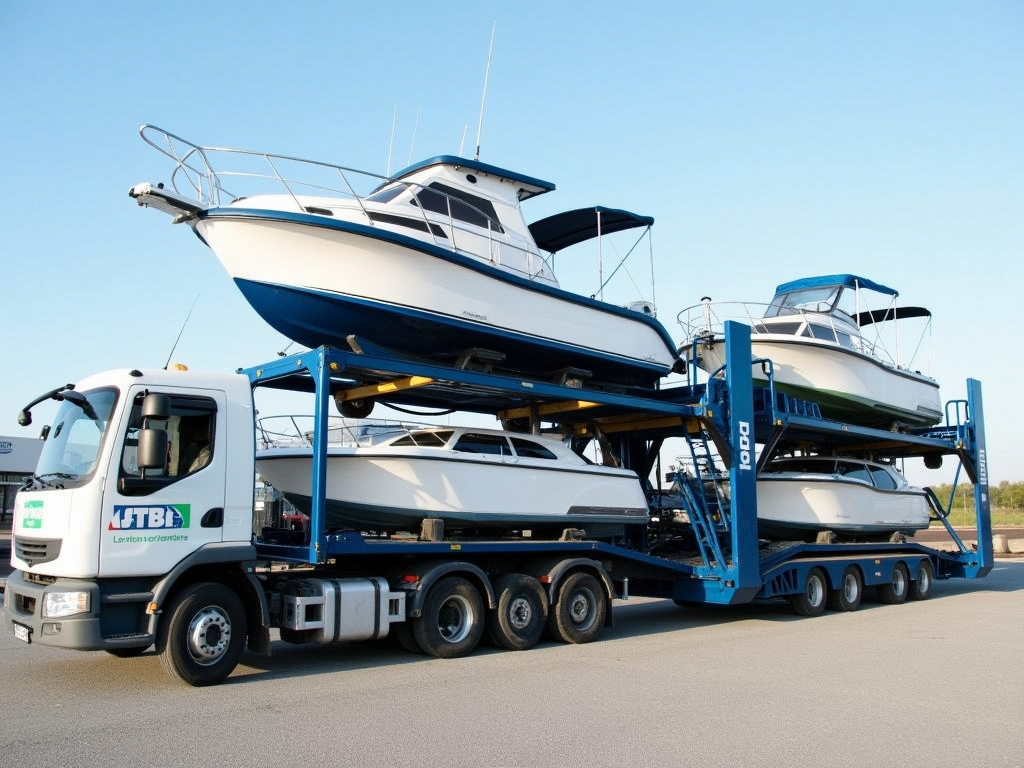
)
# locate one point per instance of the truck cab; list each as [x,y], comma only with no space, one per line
[143,474]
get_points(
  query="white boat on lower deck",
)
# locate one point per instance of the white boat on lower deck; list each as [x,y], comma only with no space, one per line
[813,332]
[435,262]
[797,497]
[469,478]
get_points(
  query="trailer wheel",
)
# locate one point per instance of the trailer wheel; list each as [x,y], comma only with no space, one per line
[898,588]
[578,611]
[921,587]
[202,636]
[811,602]
[452,621]
[847,596]
[519,619]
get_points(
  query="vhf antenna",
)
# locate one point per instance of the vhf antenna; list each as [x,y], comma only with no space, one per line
[196,299]
[487,72]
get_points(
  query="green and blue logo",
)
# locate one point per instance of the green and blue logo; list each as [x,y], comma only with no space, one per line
[149,517]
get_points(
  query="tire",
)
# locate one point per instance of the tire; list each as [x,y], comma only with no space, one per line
[921,587]
[356,409]
[518,621]
[452,621]
[896,591]
[847,596]
[811,602]
[202,635]
[402,634]
[579,610]
[127,653]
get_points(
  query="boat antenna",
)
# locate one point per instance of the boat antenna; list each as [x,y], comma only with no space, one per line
[412,143]
[391,141]
[465,128]
[483,99]
[175,346]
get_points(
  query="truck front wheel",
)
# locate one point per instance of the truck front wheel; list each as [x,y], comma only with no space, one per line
[202,634]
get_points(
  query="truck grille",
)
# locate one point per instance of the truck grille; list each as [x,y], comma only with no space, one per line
[36,551]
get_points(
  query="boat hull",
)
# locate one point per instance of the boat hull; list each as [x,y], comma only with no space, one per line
[847,386]
[800,507]
[369,490]
[319,281]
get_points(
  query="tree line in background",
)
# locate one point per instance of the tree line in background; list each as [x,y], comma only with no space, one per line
[1005,495]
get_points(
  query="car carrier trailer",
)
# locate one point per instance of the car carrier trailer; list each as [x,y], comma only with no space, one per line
[112,552]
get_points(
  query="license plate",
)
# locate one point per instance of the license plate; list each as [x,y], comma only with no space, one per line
[23,633]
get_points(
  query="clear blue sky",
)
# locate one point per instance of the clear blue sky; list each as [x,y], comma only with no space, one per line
[770,141]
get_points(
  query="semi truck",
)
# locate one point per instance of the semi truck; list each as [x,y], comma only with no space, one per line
[138,528]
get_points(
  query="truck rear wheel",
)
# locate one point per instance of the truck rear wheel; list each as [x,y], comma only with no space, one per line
[452,621]
[811,602]
[518,621]
[898,588]
[578,611]
[202,635]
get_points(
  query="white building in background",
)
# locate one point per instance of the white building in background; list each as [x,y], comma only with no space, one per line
[18,458]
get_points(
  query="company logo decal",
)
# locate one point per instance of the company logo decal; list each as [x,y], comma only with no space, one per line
[146,519]
[745,446]
[6,446]
[32,514]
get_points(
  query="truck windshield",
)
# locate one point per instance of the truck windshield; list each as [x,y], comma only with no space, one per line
[70,453]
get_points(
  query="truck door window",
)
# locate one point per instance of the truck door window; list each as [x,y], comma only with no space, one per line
[190,438]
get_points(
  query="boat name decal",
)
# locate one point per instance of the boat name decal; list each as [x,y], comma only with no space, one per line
[474,315]
[745,445]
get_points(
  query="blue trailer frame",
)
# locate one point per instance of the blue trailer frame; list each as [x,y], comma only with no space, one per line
[733,566]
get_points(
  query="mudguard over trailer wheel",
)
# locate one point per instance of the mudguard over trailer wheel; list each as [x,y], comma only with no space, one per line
[579,609]
[202,635]
[811,602]
[518,621]
[452,621]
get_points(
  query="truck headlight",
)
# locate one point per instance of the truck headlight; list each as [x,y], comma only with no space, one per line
[60,604]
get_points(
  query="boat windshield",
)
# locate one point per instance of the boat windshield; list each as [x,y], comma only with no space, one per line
[70,453]
[829,299]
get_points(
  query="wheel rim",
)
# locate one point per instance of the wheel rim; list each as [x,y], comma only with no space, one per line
[851,588]
[454,620]
[924,580]
[815,590]
[209,635]
[899,581]
[581,608]
[520,613]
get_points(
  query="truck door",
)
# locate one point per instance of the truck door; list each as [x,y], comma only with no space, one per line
[155,517]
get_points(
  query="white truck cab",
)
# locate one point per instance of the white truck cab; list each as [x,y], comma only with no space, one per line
[96,526]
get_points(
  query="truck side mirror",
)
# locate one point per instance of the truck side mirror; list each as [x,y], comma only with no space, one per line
[152,450]
[156,406]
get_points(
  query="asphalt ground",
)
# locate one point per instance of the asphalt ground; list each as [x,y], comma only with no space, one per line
[934,683]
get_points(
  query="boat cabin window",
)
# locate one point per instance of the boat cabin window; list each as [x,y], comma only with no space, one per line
[845,340]
[431,439]
[531,450]
[463,206]
[807,300]
[855,472]
[823,332]
[781,328]
[883,479]
[474,442]
[386,194]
